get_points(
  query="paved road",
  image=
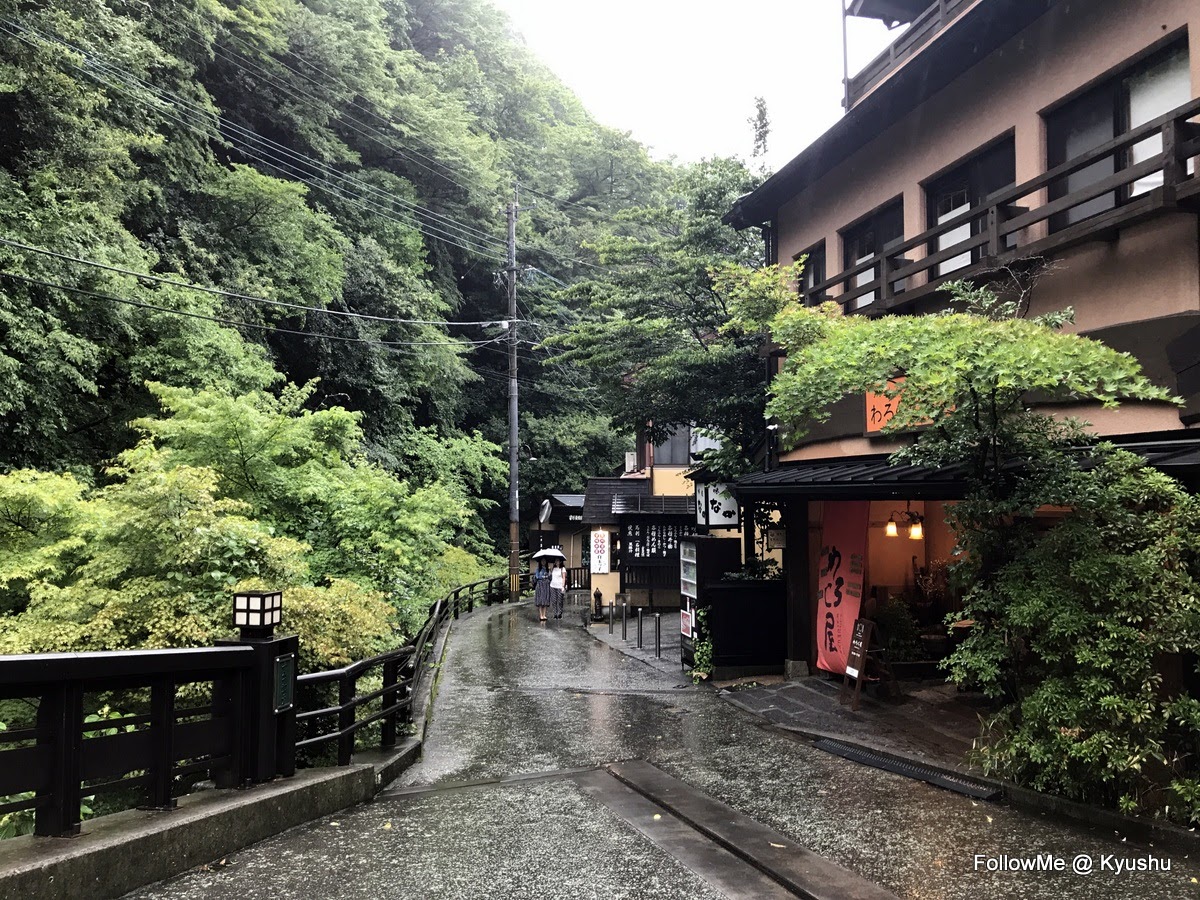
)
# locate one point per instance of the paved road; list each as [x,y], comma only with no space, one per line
[518,698]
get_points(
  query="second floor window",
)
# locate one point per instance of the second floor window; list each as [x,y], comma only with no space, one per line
[675,450]
[814,272]
[878,233]
[1143,93]
[967,186]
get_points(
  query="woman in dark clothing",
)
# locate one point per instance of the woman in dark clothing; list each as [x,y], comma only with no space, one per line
[541,589]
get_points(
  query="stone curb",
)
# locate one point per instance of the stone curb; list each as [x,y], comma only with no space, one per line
[802,872]
[205,826]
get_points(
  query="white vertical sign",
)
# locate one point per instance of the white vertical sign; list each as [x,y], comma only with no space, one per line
[716,506]
[600,540]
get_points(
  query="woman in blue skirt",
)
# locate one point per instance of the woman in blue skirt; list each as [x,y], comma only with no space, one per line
[541,589]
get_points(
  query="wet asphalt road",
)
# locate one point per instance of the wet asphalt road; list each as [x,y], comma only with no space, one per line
[517,697]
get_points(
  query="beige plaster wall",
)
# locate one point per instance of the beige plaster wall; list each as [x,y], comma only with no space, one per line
[668,481]
[1152,270]
[1072,46]
[939,539]
[1129,418]
[840,447]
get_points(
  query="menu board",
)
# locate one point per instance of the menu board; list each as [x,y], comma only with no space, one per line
[856,660]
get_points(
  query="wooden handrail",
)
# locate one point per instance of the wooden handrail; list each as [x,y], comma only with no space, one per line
[47,668]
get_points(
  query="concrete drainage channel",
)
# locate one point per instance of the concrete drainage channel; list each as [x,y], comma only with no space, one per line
[740,857]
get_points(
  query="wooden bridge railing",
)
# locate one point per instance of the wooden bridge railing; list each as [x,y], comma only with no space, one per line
[225,713]
[52,764]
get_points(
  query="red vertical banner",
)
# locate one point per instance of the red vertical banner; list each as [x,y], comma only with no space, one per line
[840,588]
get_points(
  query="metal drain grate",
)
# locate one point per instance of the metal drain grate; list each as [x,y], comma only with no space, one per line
[958,783]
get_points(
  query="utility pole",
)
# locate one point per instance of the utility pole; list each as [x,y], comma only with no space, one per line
[514,494]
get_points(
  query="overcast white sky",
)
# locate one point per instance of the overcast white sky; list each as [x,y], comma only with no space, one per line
[682,75]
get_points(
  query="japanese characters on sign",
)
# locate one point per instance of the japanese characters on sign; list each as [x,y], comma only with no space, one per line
[716,506]
[843,559]
[881,408]
[653,541]
[600,548]
[856,660]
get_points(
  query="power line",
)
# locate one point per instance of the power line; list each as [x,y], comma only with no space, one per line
[294,93]
[446,230]
[374,134]
[234,295]
[408,152]
[436,233]
[388,345]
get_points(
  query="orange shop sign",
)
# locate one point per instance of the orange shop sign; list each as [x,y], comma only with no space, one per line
[881,408]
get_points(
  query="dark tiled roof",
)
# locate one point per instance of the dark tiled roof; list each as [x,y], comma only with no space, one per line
[872,478]
[572,500]
[598,501]
[859,478]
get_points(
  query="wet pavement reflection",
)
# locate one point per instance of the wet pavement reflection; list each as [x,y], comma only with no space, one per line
[516,696]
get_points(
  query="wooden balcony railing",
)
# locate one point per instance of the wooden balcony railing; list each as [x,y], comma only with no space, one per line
[919,33]
[1005,225]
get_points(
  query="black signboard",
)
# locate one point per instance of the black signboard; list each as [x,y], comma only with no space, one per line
[285,681]
[865,652]
[856,661]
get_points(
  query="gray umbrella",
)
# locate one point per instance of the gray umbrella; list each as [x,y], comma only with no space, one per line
[550,553]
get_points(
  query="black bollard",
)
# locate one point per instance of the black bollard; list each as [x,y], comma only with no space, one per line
[658,635]
[639,643]
[612,608]
[624,621]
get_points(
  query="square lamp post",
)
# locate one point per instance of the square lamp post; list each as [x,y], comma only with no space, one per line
[268,704]
[256,613]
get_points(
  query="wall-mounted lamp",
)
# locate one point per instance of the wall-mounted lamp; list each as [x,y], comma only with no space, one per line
[915,522]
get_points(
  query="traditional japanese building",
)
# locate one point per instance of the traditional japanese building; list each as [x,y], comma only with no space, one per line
[1046,144]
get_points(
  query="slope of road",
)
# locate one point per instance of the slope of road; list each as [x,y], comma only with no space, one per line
[516,697]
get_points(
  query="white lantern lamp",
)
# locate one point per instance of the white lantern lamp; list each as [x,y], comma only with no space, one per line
[256,613]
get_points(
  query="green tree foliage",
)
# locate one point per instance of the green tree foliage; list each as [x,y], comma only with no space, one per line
[227,493]
[655,335]
[332,174]
[305,473]
[1091,614]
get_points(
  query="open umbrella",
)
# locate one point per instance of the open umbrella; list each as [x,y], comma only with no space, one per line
[550,553]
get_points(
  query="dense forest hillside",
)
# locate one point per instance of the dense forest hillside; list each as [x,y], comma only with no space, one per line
[251,313]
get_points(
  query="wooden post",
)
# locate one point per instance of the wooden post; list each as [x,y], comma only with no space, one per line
[885,279]
[797,574]
[60,716]
[162,734]
[346,689]
[391,671]
[1174,166]
[995,244]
